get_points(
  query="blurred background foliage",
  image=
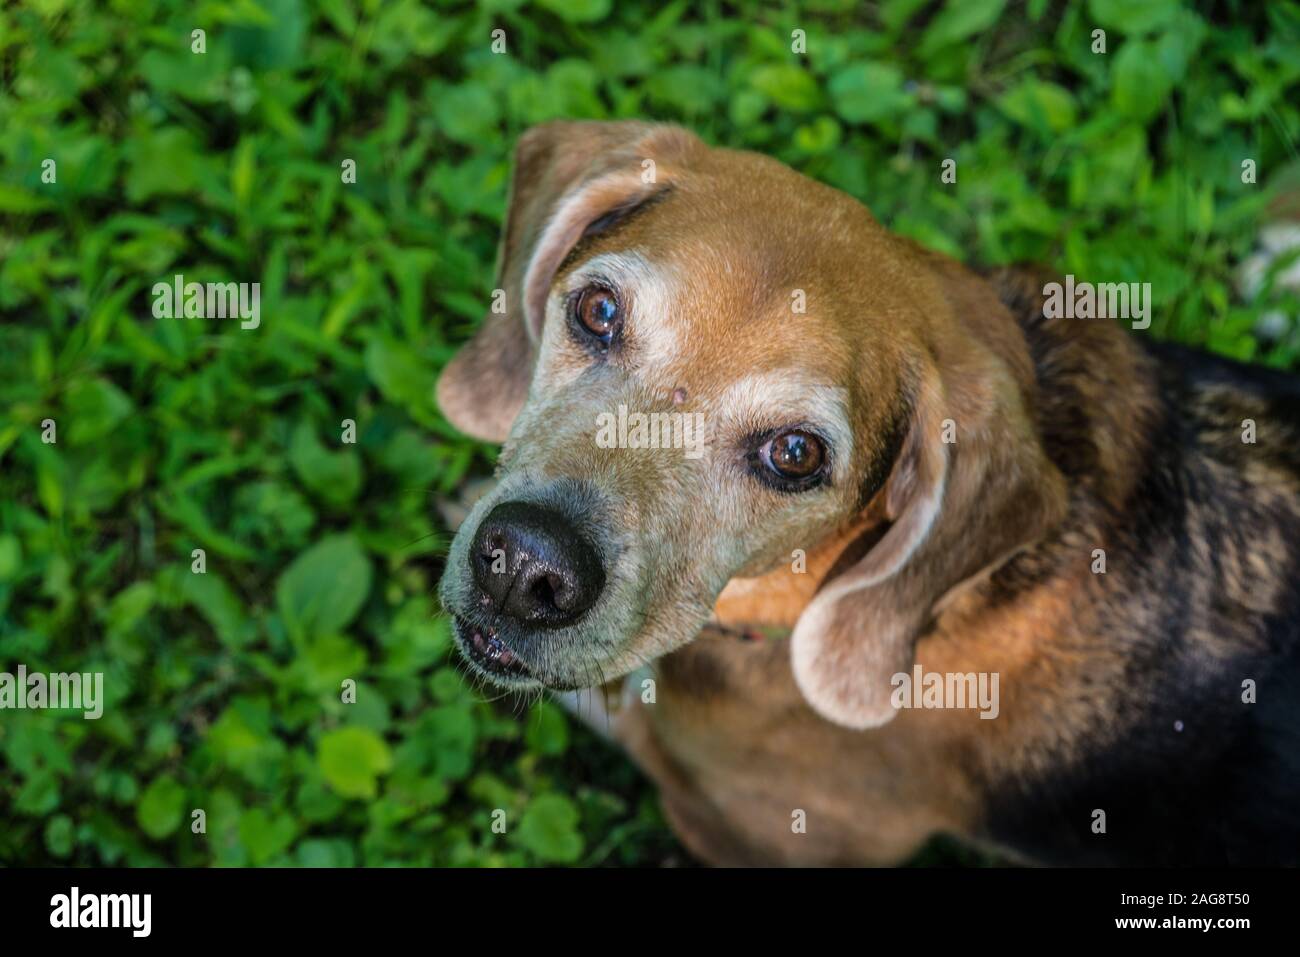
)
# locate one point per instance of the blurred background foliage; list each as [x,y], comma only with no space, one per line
[223,688]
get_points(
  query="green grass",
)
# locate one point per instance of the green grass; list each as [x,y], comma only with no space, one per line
[223,689]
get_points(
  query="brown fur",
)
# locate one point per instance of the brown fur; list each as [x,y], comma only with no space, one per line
[970,556]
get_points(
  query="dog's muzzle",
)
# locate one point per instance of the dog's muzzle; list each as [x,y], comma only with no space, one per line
[535,572]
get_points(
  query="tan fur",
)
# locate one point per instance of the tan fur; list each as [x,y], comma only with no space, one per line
[904,565]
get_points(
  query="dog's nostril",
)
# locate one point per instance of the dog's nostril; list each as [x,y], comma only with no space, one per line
[546,589]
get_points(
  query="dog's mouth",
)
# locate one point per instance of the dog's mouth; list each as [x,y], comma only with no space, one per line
[485,649]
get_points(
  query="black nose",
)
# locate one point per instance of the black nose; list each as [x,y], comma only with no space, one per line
[534,567]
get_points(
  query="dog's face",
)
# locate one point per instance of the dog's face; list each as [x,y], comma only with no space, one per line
[701,373]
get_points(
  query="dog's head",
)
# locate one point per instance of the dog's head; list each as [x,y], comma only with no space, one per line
[700,361]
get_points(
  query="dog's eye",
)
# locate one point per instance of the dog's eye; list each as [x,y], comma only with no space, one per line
[793,460]
[795,455]
[597,310]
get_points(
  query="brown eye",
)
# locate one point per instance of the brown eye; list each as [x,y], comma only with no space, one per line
[795,455]
[597,312]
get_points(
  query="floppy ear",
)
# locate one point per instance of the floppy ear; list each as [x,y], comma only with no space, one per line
[956,508]
[568,177]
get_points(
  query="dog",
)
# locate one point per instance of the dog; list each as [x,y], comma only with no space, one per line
[910,469]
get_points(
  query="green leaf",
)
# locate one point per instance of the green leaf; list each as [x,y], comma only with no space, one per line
[333,475]
[95,407]
[822,135]
[19,201]
[164,162]
[265,836]
[1134,16]
[352,759]
[407,27]
[129,606]
[447,686]
[161,807]
[326,853]
[400,375]
[548,730]
[450,736]
[549,828]
[11,557]
[39,795]
[959,20]
[787,86]
[746,107]
[275,44]
[326,661]
[1039,105]
[578,11]
[217,603]
[687,87]
[59,835]
[866,92]
[894,13]
[1140,83]
[468,114]
[324,588]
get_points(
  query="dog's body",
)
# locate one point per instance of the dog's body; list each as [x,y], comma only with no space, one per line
[1124,689]
[1113,531]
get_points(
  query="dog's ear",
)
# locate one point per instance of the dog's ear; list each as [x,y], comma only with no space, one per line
[971,486]
[568,177]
